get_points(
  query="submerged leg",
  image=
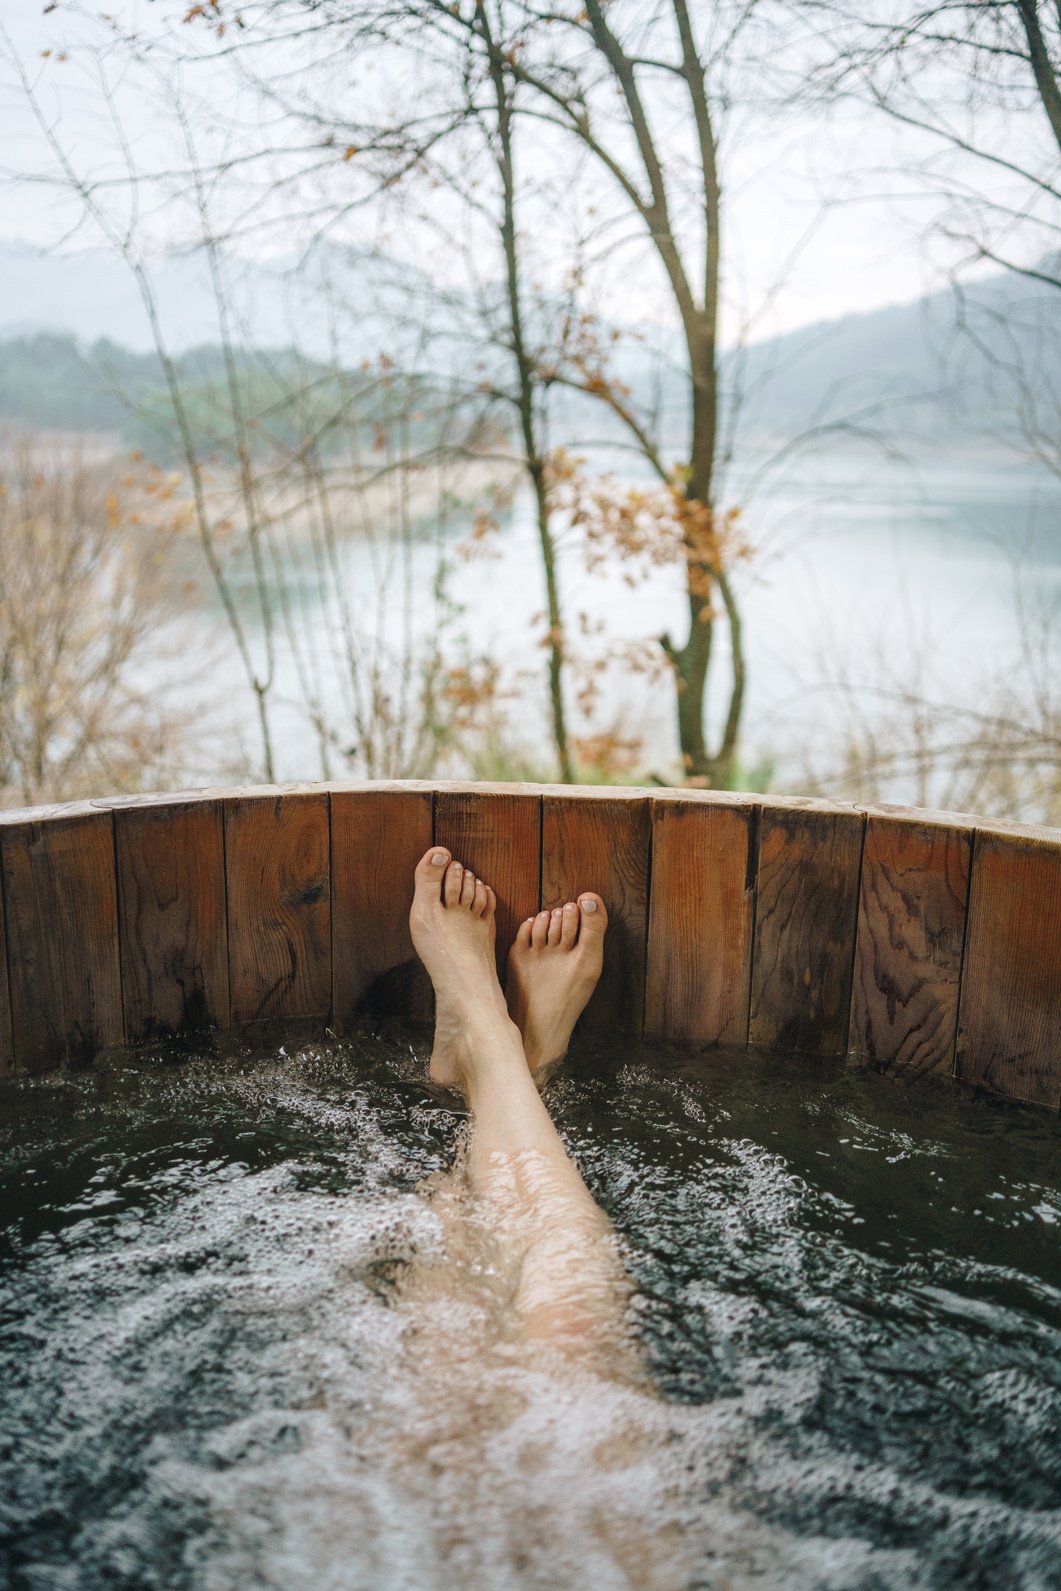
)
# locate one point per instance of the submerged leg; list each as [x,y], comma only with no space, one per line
[529,1393]
[571,1290]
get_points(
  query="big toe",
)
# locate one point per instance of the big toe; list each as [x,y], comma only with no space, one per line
[593,917]
[429,874]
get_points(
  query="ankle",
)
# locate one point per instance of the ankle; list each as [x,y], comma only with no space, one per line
[489,1048]
[546,1038]
[490,1031]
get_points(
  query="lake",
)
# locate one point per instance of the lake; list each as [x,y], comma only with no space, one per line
[873,579]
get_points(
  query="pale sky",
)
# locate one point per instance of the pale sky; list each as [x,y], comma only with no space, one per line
[861,253]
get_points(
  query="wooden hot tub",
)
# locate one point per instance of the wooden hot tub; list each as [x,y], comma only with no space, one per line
[916,942]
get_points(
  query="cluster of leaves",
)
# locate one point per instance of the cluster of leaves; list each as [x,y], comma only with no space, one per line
[636,529]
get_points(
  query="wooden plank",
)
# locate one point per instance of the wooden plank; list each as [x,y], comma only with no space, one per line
[601,842]
[279,907]
[172,919]
[207,794]
[497,833]
[7,1054]
[62,938]
[16,817]
[805,917]
[1009,1030]
[908,955]
[378,836]
[701,903]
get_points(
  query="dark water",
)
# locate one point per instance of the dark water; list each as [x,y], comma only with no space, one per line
[849,1292]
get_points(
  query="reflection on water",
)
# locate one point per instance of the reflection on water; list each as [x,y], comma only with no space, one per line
[215,1374]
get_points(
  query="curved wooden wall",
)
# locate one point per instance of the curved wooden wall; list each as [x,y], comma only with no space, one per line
[916,942]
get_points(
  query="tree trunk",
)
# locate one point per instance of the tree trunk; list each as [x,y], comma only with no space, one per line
[1042,66]
[525,373]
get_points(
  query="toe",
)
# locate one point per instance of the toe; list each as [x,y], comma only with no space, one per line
[454,880]
[468,889]
[429,874]
[593,918]
[569,925]
[540,931]
[555,923]
[522,940]
[491,903]
[479,903]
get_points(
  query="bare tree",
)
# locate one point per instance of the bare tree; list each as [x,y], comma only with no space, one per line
[83,587]
[979,84]
[639,96]
[121,233]
[613,51]
[640,101]
[299,460]
[528,379]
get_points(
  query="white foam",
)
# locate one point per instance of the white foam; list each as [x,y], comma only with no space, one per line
[289,1417]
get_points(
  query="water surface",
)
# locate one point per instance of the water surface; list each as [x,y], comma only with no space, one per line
[848,1293]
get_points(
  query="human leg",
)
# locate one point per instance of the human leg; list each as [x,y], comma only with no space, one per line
[571,1289]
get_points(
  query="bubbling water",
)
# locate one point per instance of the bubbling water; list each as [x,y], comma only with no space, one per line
[238,1348]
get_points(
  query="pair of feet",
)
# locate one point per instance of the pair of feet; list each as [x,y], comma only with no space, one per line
[553,966]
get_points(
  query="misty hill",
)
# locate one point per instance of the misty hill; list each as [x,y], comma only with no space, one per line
[93,296]
[950,365]
[49,382]
[75,353]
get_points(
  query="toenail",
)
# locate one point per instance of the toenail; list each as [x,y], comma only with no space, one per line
[439,859]
[588,905]
[569,906]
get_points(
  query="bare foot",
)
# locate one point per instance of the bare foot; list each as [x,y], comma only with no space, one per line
[553,968]
[452,922]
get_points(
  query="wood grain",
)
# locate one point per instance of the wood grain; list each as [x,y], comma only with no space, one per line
[805,918]
[172,919]
[908,956]
[602,844]
[7,1054]
[700,920]
[497,833]
[1009,1030]
[378,836]
[82,955]
[62,938]
[279,908]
